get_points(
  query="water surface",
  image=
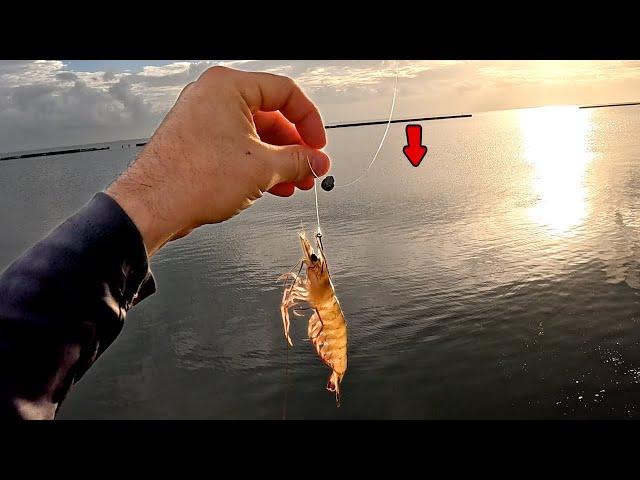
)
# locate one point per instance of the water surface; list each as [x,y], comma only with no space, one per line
[497,280]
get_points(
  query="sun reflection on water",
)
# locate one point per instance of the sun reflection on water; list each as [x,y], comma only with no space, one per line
[555,144]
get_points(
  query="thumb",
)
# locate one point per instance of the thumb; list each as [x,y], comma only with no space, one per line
[294,163]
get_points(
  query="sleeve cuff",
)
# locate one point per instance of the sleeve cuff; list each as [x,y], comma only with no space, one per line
[109,221]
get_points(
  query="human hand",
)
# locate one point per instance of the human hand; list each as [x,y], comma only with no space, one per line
[230,137]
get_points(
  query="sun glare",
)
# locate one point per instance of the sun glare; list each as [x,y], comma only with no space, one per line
[555,144]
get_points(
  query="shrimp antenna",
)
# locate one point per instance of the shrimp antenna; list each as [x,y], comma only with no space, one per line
[301,263]
[291,270]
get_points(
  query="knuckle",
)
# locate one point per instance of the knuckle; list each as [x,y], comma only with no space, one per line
[186,88]
[290,83]
[216,72]
[299,159]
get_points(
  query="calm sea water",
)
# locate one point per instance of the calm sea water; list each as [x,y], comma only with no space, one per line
[498,280]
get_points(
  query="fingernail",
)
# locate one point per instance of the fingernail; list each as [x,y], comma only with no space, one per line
[320,164]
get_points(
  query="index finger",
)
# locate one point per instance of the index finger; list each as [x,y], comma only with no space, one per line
[268,92]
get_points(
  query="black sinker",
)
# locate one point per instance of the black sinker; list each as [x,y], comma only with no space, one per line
[328,183]
[314,257]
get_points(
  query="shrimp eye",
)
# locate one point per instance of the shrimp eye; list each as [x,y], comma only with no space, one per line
[313,257]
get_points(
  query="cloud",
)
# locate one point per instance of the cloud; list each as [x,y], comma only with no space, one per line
[19,73]
[67,76]
[61,109]
[45,103]
[133,103]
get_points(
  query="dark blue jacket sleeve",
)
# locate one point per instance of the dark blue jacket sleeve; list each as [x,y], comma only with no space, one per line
[63,302]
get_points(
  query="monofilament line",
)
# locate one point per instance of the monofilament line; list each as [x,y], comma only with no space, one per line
[384,136]
[315,192]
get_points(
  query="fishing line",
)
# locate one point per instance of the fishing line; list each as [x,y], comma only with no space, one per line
[319,231]
[286,364]
[384,136]
[315,191]
[375,156]
[286,386]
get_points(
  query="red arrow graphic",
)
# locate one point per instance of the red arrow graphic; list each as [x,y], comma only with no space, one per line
[414,150]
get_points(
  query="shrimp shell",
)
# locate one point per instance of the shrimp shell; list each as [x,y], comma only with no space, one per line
[327,327]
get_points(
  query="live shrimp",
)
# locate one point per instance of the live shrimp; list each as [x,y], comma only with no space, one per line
[327,327]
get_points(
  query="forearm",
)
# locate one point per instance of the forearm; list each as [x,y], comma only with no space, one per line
[230,137]
[63,302]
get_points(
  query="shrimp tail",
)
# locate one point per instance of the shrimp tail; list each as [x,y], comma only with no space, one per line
[333,385]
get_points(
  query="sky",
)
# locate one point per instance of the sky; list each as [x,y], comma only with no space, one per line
[54,103]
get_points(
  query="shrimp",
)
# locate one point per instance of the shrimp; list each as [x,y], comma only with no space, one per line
[327,327]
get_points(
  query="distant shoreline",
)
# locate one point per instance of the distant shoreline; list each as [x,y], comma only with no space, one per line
[94,147]
[56,152]
[139,143]
[143,142]
[627,104]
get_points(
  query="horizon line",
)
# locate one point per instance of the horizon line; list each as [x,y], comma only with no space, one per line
[140,142]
